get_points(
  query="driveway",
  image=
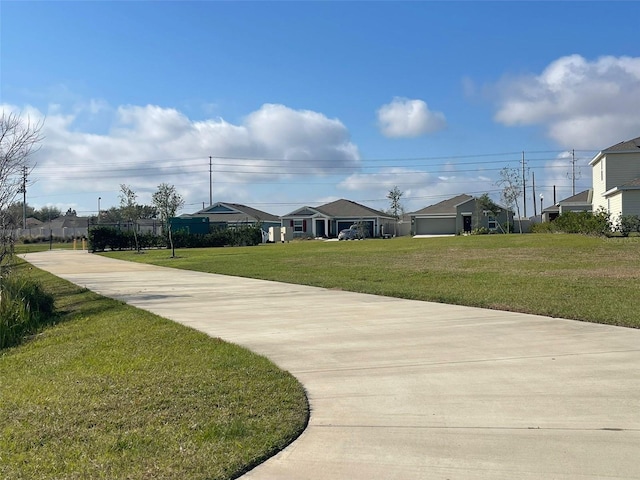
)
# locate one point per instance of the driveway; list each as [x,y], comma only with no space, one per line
[405,389]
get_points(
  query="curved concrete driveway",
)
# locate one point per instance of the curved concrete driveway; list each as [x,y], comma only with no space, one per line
[404,389]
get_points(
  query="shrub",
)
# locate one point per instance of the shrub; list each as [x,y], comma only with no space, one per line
[24,308]
[544,227]
[628,224]
[586,223]
[104,237]
[248,235]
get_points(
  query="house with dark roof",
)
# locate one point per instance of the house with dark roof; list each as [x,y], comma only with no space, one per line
[231,215]
[616,179]
[65,226]
[580,202]
[460,214]
[329,219]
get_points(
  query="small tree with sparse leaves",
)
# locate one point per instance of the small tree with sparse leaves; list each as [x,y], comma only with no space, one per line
[395,206]
[167,202]
[511,184]
[130,210]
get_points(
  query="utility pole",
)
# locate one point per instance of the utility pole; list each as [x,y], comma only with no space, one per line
[524,188]
[23,190]
[533,186]
[210,184]
[573,172]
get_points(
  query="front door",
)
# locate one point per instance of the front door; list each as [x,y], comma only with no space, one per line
[466,223]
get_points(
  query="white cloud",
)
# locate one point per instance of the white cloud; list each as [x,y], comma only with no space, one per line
[582,104]
[386,179]
[409,118]
[420,189]
[146,145]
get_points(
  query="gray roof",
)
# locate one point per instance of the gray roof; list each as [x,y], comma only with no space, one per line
[242,213]
[628,146]
[635,183]
[446,207]
[69,221]
[348,208]
[582,197]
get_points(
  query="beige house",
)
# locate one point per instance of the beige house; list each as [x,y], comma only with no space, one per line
[460,214]
[329,219]
[616,179]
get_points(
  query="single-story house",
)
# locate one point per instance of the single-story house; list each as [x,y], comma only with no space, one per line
[231,215]
[327,220]
[459,214]
[580,202]
[616,179]
[65,226]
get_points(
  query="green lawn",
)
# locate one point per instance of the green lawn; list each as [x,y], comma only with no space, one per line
[571,276]
[21,248]
[112,392]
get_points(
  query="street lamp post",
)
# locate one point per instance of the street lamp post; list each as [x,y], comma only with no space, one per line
[541,200]
[99,198]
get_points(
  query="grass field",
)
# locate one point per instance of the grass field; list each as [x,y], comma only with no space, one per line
[570,276]
[112,392]
[41,247]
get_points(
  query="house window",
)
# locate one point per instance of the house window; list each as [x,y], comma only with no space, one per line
[491,222]
[298,225]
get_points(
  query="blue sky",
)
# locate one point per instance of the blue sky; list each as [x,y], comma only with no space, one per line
[300,103]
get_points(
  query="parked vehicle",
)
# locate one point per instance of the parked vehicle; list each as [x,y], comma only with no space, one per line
[349,234]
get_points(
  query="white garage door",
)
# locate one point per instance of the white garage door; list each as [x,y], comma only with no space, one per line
[435,226]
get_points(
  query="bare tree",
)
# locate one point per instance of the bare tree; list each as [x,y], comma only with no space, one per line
[19,139]
[395,206]
[167,202]
[511,184]
[130,209]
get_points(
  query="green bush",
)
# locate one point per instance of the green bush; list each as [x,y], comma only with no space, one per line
[586,223]
[544,227]
[103,238]
[628,224]
[236,237]
[24,308]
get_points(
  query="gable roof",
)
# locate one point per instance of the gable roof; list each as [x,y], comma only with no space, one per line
[69,221]
[582,197]
[445,207]
[234,212]
[628,146]
[341,208]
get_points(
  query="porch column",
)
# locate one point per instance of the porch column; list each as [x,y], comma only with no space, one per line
[326,227]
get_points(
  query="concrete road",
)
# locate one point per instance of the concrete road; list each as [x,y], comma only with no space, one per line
[405,389]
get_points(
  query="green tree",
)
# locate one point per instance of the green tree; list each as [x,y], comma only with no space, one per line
[130,210]
[167,202]
[47,213]
[487,205]
[15,212]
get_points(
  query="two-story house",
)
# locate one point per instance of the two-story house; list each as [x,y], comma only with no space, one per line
[616,179]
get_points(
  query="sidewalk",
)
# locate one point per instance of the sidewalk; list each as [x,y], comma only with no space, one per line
[404,389]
